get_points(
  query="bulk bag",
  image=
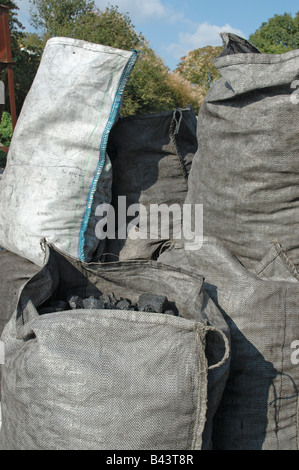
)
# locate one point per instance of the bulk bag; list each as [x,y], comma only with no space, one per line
[259,406]
[110,379]
[151,157]
[14,273]
[245,172]
[57,170]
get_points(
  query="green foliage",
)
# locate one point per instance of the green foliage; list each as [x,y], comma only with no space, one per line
[81,20]
[278,35]
[108,27]
[5,135]
[58,17]
[25,64]
[13,17]
[147,90]
[184,92]
[151,87]
[26,59]
[197,66]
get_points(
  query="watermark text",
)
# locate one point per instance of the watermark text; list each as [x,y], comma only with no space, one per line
[157,221]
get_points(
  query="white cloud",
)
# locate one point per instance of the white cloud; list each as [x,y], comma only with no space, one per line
[205,34]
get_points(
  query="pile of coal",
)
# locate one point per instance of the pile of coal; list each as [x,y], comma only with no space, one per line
[146,303]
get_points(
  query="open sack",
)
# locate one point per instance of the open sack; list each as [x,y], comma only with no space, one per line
[112,379]
[57,170]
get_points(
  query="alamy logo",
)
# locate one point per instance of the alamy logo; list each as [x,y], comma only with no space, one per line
[295,354]
[2,93]
[158,221]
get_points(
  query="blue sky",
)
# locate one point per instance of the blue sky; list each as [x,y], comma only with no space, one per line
[173,27]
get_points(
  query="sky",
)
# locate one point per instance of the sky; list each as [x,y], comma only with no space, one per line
[174,27]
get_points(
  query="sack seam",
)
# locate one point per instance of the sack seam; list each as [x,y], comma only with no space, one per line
[175,144]
[202,392]
[102,153]
[254,59]
[82,44]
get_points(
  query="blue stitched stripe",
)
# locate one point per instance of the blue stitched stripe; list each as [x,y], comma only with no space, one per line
[102,154]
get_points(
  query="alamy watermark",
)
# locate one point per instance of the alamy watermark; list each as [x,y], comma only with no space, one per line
[158,221]
[2,93]
[295,353]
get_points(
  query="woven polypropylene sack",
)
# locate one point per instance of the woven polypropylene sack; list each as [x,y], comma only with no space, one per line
[57,170]
[259,406]
[151,156]
[245,172]
[14,273]
[100,379]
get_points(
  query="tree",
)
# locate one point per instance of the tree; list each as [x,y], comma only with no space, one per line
[109,27]
[151,87]
[5,135]
[197,66]
[15,32]
[278,35]
[14,23]
[80,19]
[24,64]
[58,17]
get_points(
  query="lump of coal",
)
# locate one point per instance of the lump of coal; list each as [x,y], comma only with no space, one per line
[124,304]
[92,302]
[152,303]
[146,303]
[75,302]
[109,298]
[133,307]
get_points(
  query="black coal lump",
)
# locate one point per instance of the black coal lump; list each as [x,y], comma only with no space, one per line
[152,303]
[75,302]
[124,304]
[92,302]
[109,299]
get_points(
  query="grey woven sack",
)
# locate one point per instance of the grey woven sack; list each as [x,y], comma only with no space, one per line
[245,172]
[151,156]
[14,273]
[110,379]
[259,406]
[57,170]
